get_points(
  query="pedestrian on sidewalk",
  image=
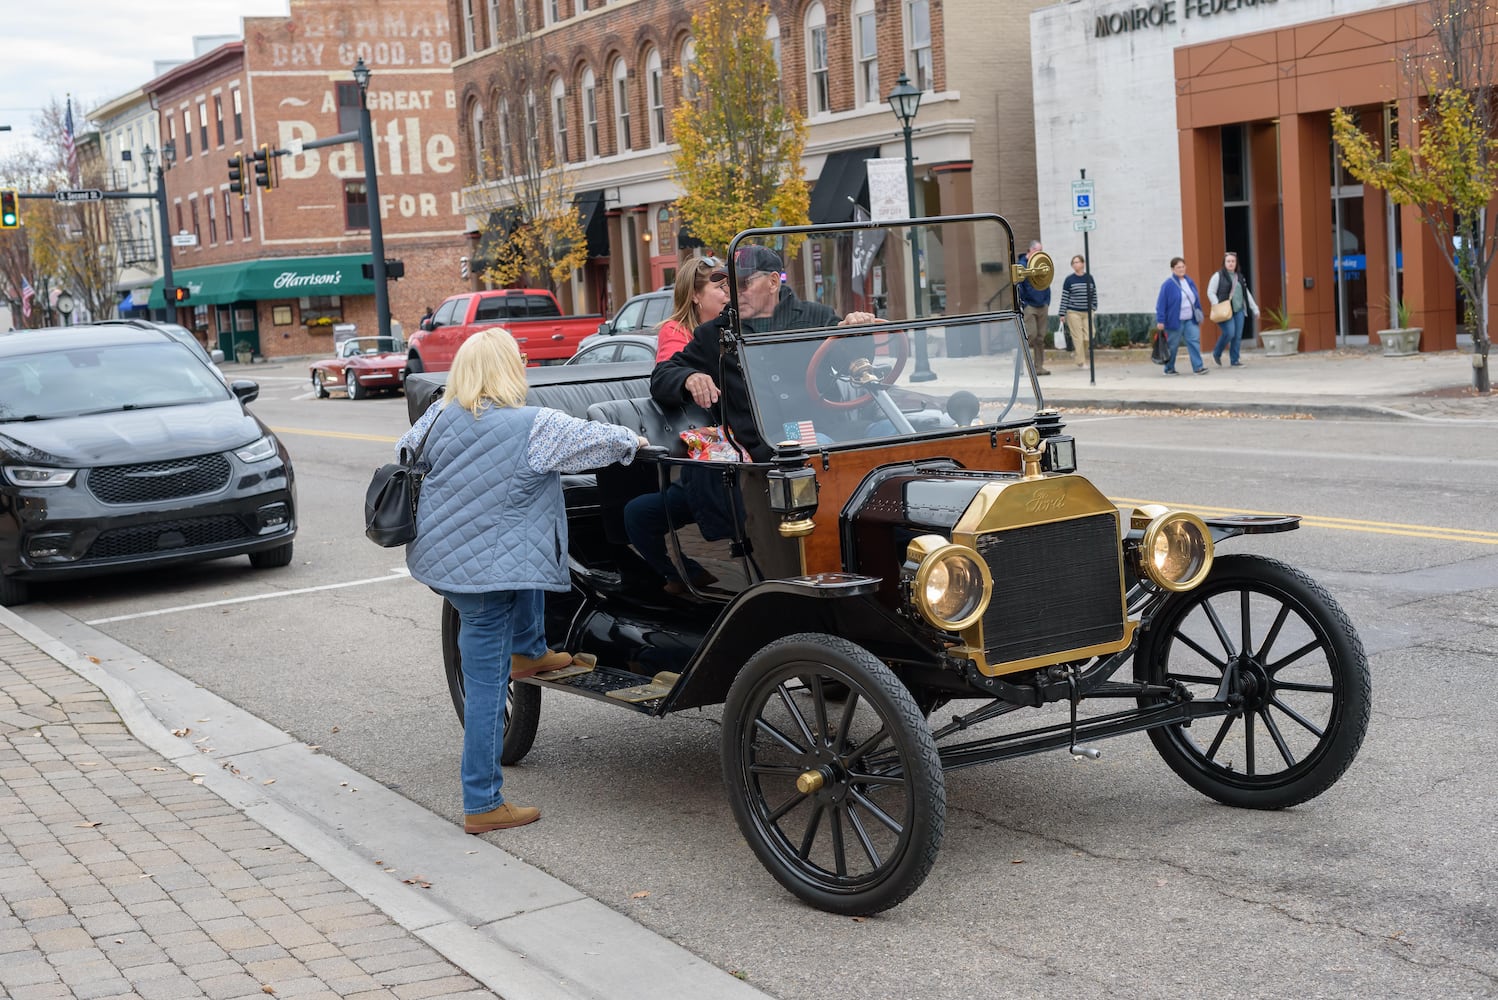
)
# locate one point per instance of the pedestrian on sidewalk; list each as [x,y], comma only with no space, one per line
[1035,308]
[1178,312]
[1229,286]
[491,534]
[1078,300]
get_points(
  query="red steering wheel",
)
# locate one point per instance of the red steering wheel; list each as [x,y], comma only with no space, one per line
[819,359]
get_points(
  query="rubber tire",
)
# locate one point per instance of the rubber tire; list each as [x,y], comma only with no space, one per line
[321,390]
[1347,667]
[873,683]
[352,387]
[414,365]
[273,558]
[522,703]
[13,591]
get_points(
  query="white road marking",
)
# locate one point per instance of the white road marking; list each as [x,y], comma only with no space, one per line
[399,573]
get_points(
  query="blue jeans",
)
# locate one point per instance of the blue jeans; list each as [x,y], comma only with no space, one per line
[645,520]
[1191,332]
[495,624]
[1230,336]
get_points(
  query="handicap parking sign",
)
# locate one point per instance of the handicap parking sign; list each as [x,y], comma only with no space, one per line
[1081,198]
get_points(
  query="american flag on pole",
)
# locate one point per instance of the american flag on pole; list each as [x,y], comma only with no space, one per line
[27,294]
[69,147]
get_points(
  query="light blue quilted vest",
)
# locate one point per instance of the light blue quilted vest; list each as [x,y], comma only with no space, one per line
[486,521]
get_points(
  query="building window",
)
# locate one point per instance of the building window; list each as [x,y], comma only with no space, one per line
[470,28]
[772,32]
[228,216]
[348,107]
[657,94]
[186,150]
[476,140]
[691,83]
[553,10]
[590,114]
[519,18]
[321,307]
[620,76]
[918,29]
[532,145]
[818,87]
[238,115]
[506,163]
[493,22]
[559,120]
[218,118]
[245,204]
[203,125]
[355,205]
[212,219]
[866,52]
[180,227]
[197,229]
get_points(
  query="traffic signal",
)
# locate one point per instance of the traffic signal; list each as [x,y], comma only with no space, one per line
[262,167]
[236,174]
[179,295]
[10,209]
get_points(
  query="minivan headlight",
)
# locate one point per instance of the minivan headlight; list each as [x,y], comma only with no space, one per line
[257,451]
[1177,550]
[951,585]
[29,475]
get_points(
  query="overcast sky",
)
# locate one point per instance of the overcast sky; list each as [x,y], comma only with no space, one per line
[98,50]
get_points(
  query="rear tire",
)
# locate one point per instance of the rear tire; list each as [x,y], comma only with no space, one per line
[273,558]
[522,701]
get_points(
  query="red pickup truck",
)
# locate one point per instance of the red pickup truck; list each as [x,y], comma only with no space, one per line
[532,315]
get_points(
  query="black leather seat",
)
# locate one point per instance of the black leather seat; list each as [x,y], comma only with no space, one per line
[651,421]
[569,388]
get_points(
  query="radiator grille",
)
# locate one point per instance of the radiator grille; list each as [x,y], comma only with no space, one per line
[1055,587]
[154,481]
[165,536]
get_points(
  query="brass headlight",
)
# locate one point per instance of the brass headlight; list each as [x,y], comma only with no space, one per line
[952,585]
[1177,550]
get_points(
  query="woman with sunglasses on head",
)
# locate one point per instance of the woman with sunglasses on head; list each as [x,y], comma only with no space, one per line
[700,295]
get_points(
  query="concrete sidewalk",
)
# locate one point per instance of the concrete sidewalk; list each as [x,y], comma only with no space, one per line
[223,858]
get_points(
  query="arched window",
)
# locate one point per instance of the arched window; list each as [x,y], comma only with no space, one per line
[772,32]
[865,52]
[656,91]
[818,87]
[918,44]
[559,120]
[506,158]
[590,115]
[690,83]
[476,148]
[532,135]
[620,78]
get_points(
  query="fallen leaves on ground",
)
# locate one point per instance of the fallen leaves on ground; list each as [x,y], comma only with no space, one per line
[181,732]
[639,895]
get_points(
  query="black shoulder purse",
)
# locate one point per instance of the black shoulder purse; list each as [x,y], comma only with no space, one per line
[390,501]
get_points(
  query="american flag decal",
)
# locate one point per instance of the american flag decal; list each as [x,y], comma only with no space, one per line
[802,431]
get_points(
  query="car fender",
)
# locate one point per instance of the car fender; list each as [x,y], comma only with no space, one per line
[835,603]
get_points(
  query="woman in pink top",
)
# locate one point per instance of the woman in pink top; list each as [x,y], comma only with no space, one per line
[697,300]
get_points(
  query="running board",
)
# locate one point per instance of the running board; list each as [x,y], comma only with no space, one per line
[583,676]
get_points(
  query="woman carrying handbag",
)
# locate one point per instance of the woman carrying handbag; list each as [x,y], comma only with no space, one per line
[1231,300]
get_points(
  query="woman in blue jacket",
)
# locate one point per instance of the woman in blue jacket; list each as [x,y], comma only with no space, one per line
[1178,311]
[491,534]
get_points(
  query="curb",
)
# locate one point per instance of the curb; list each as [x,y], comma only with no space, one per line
[522,933]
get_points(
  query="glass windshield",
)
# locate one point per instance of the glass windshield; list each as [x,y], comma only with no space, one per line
[850,342]
[369,345]
[67,383]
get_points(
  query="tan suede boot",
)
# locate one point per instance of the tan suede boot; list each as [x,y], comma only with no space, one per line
[502,818]
[522,667]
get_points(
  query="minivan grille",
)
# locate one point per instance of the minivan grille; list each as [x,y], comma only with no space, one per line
[165,536]
[154,481]
[1055,587]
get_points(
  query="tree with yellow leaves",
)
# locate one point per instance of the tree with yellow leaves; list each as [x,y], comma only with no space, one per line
[739,142]
[1448,170]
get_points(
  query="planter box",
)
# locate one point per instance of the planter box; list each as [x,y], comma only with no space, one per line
[1401,342]
[1280,343]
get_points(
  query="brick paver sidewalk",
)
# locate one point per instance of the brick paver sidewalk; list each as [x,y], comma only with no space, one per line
[122,877]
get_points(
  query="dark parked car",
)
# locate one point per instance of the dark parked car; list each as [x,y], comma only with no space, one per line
[896,547]
[122,449]
[176,331]
[613,349]
[639,314]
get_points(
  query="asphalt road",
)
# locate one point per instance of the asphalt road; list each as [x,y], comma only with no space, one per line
[1057,878]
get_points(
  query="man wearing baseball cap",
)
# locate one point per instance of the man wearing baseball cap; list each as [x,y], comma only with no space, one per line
[766,304]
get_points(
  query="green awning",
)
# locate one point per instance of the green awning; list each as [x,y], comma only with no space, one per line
[273,278]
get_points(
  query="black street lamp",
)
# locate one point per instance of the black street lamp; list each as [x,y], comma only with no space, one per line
[168,157]
[372,193]
[905,101]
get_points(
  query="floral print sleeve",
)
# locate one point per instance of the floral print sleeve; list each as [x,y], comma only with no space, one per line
[562,443]
[412,437]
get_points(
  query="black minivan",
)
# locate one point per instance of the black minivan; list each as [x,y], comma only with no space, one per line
[122,449]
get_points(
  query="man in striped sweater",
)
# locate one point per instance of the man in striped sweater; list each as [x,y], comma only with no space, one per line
[1078,298]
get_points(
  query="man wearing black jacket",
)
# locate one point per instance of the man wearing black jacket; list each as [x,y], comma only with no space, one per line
[765,304]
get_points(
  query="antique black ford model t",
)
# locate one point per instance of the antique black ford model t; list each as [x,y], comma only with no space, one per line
[910,546]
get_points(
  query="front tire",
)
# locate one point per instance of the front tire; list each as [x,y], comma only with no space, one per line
[13,591]
[273,558]
[844,804]
[1293,669]
[522,702]
[318,387]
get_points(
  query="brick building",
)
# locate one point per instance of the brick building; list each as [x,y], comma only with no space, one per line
[610,76]
[278,269]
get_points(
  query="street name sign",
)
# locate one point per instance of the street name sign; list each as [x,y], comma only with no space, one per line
[1082,201]
[185,240]
[1084,225]
[86,194]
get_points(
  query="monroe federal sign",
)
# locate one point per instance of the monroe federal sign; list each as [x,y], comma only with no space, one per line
[1167,12]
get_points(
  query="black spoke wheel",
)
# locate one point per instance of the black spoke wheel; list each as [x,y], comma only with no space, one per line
[522,701]
[1285,656]
[843,801]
